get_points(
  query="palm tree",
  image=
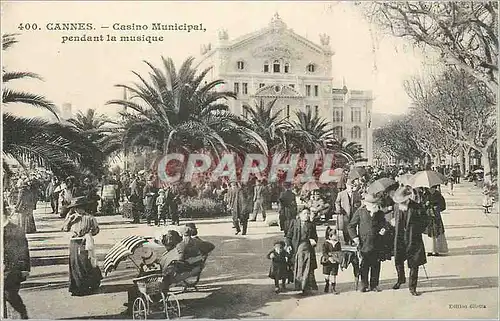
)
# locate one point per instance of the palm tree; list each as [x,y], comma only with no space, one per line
[310,133]
[351,151]
[96,128]
[54,145]
[175,111]
[269,124]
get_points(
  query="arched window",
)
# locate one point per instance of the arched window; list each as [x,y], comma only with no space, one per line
[276,66]
[311,68]
[287,68]
[266,66]
[241,65]
[356,132]
[338,132]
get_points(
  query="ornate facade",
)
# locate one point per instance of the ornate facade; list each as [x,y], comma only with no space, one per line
[276,63]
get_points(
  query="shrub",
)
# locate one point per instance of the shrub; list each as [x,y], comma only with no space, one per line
[193,207]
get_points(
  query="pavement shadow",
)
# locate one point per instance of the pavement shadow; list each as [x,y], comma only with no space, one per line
[454,284]
[473,250]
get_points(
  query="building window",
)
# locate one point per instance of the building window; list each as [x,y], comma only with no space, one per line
[308,90]
[316,110]
[316,90]
[261,85]
[236,88]
[356,132]
[244,88]
[266,67]
[287,68]
[292,85]
[308,109]
[241,65]
[311,68]
[276,66]
[338,115]
[287,111]
[338,132]
[356,115]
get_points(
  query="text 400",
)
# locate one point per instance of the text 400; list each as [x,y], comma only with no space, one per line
[28,26]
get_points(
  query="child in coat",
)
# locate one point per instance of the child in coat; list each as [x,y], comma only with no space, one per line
[278,270]
[161,203]
[487,199]
[331,259]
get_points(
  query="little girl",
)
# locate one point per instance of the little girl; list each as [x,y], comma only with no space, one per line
[278,270]
[331,259]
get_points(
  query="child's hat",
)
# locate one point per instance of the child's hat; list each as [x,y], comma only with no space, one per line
[161,191]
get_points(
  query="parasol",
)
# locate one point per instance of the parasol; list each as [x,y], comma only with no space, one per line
[356,172]
[125,249]
[310,186]
[404,179]
[380,185]
[427,179]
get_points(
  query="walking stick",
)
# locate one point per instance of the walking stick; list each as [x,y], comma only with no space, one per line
[426,276]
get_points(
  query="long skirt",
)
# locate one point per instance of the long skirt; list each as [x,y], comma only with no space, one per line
[83,277]
[27,222]
[439,244]
[304,269]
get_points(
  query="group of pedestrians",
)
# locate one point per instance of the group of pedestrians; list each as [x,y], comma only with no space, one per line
[380,226]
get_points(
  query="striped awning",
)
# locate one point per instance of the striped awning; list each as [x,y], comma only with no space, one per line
[121,250]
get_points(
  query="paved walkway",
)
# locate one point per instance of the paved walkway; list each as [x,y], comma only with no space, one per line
[462,285]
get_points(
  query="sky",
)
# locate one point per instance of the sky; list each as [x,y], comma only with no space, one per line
[84,73]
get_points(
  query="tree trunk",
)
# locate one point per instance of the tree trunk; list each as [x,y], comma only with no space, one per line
[461,158]
[486,165]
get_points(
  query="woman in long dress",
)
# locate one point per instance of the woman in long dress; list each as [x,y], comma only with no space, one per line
[25,206]
[302,237]
[435,205]
[84,275]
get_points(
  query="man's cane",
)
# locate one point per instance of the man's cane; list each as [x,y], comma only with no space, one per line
[426,276]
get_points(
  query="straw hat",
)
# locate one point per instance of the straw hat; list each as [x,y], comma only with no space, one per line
[402,194]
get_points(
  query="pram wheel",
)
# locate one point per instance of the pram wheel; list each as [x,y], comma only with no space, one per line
[171,306]
[139,310]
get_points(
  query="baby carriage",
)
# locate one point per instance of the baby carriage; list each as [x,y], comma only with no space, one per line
[158,290]
[108,200]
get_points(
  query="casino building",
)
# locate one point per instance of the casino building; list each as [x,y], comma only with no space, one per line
[276,63]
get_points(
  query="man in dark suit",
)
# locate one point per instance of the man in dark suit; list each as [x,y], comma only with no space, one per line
[348,201]
[258,201]
[236,205]
[366,228]
[287,207]
[16,264]
[410,221]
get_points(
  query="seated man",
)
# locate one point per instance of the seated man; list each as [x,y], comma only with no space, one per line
[203,246]
[185,253]
[317,206]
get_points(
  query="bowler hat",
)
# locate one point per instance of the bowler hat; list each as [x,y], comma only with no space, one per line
[402,194]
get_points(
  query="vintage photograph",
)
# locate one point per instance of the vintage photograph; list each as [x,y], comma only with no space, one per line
[258,160]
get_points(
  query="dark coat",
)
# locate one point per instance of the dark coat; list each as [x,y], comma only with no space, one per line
[278,269]
[294,239]
[369,228]
[287,205]
[16,255]
[435,204]
[237,203]
[408,243]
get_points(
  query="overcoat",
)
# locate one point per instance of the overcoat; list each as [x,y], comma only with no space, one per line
[408,243]
[293,238]
[287,208]
[278,268]
[236,202]
[16,256]
[368,229]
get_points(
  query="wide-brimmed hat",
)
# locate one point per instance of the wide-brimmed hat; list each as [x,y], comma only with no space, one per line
[161,191]
[79,202]
[369,198]
[402,194]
